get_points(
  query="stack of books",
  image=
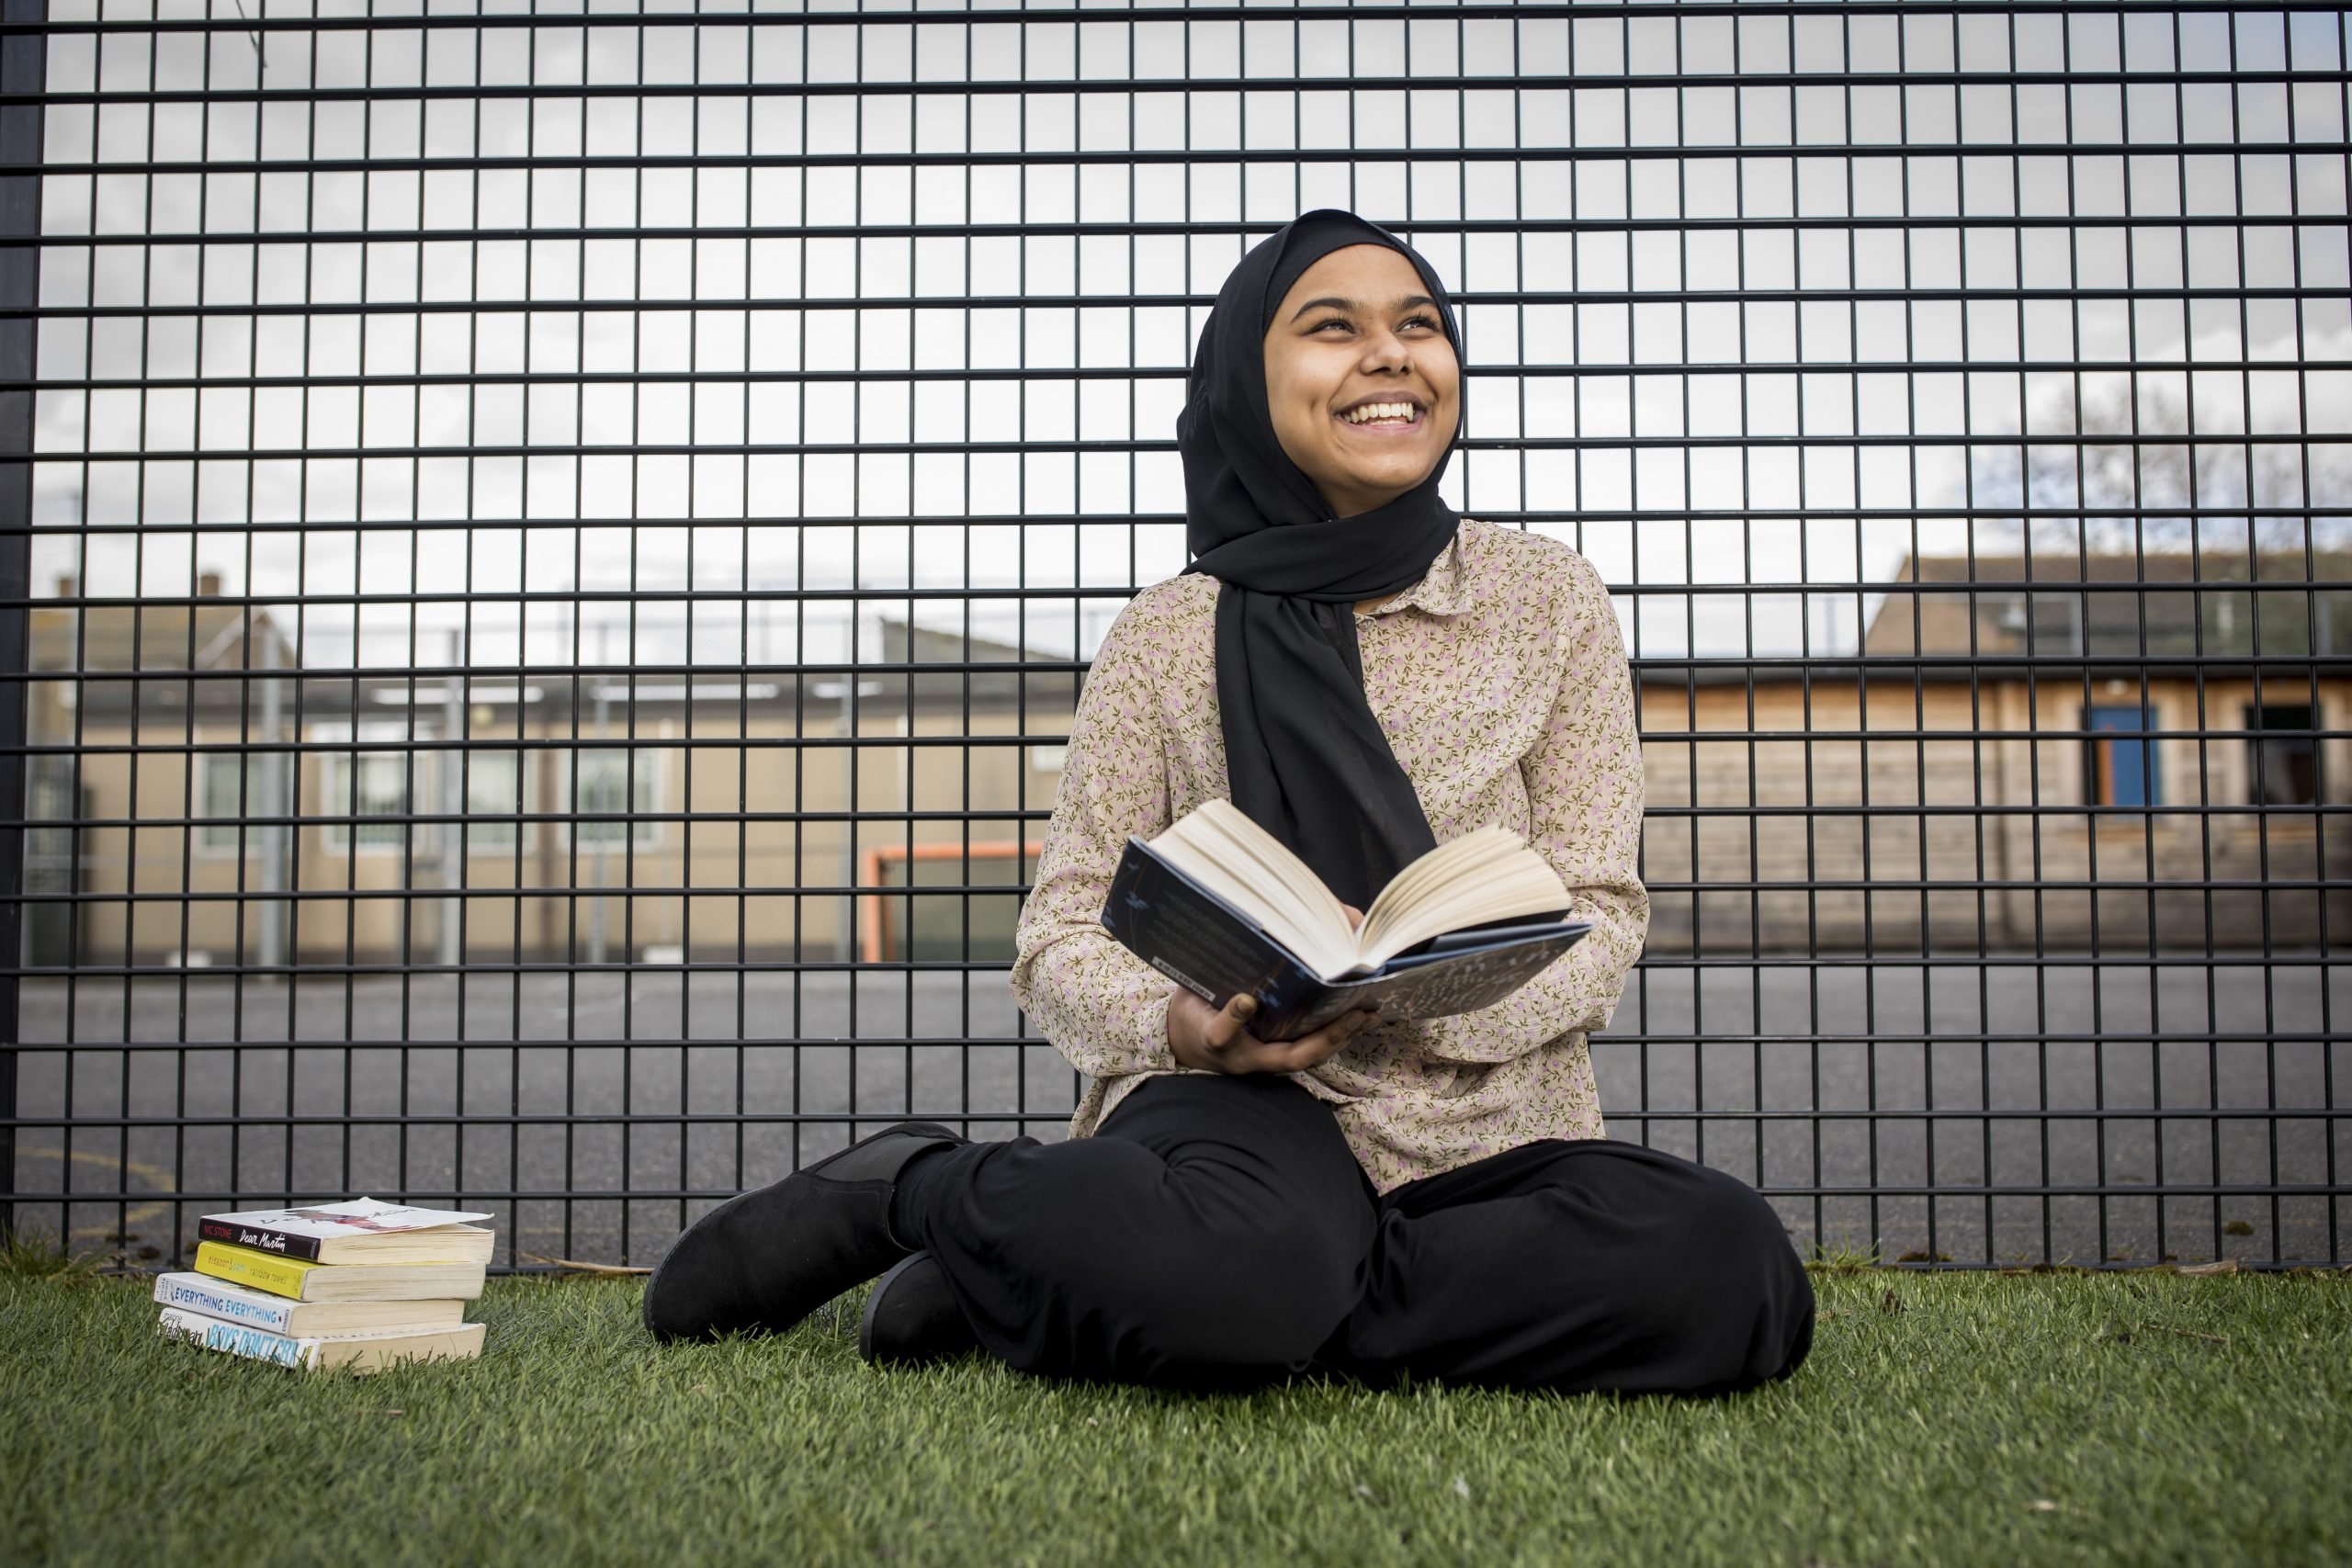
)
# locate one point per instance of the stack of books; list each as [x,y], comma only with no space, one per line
[360,1284]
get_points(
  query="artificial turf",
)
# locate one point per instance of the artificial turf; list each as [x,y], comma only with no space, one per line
[1947,1418]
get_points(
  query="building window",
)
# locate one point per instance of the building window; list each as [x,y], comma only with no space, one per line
[2043,621]
[229,788]
[369,785]
[53,807]
[2123,768]
[603,779]
[493,796]
[2286,767]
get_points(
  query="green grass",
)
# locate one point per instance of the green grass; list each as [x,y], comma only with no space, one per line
[32,1252]
[1951,1418]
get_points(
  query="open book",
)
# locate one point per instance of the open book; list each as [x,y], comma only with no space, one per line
[1221,905]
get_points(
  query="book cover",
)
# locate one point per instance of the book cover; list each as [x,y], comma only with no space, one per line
[360,1353]
[1202,943]
[209,1297]
[232,1304]
[324,1233]
[255,1270]
[302,1280]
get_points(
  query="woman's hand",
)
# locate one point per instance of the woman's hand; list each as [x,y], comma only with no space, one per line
[1216,1040]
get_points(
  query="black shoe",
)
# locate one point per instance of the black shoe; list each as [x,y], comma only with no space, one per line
[768,1259]
[911,1317]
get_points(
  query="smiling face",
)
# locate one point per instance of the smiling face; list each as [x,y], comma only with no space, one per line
[1363,383]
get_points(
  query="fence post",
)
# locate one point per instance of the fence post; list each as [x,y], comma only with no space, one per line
[22,58]
[451,832]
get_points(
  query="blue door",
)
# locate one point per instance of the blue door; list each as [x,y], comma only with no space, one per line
[2123,770]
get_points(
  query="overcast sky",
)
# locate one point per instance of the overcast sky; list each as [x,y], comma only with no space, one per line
[552,308]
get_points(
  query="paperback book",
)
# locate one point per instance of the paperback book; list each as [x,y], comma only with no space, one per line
[1220,906]
[360,1230]
[360,1353]
[207,1297]
[300,1279]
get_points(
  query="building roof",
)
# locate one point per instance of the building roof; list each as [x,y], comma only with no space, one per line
[2159,602]
[930,671]
[161,638]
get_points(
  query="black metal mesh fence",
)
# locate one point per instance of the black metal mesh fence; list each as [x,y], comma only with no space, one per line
[546,559]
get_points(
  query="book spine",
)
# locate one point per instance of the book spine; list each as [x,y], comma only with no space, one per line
[238,1307]
[257,1271]
[237,1340]
[259,1238]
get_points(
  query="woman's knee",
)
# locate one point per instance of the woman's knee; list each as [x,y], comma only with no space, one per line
[1736,1281]
[1724,1211]
[1265,1289]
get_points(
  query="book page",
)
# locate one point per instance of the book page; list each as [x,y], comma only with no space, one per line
[1450,862]
[1249,868]
[1484,875]
[360,1217]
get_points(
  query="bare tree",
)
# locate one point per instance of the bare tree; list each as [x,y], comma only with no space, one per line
[2066,464]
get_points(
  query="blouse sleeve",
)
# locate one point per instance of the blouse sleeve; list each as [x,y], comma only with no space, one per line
[1103,1009]
[1584,796]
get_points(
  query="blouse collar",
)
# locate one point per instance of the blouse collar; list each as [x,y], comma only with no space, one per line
[1443,589]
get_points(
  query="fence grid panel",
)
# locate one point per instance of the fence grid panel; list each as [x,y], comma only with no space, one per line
[545,562]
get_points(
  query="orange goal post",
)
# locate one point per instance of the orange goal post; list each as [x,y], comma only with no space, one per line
[873,905]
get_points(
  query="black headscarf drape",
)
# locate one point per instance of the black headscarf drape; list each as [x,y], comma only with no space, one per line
[1306,757]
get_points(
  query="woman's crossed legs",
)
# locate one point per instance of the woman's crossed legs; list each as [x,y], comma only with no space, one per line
[1216,1232]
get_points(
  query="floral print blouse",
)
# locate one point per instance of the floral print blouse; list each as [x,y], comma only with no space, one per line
[1500,680]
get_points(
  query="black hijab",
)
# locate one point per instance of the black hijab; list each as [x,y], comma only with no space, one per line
[1306,757]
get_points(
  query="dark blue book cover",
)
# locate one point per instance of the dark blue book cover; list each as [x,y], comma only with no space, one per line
[1212,949]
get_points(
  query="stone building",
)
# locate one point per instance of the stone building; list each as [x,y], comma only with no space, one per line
[2131,752]
[581,818]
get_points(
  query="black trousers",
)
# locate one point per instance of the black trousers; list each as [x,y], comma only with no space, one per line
[1217,1233]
